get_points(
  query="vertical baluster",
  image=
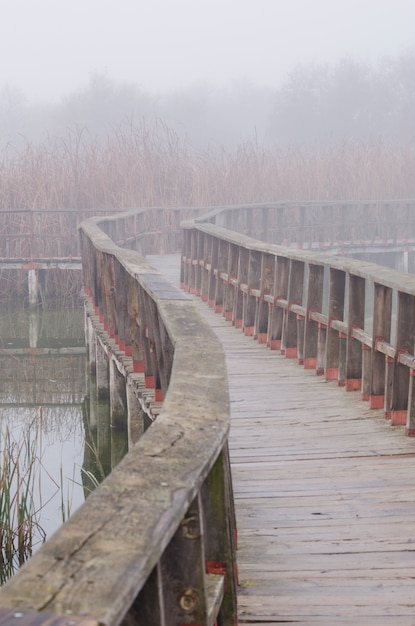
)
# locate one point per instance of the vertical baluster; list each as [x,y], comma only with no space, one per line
[356,319]
[335,312]
[276,316]
[220,533]
[182,573]
[295,296]
[382,316]
[396,402]
[314,303]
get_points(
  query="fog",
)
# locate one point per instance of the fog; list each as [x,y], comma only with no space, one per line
[217,71]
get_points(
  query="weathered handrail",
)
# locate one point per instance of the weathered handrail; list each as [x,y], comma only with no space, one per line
[28,234]
[351,321]
[354,322]
[321,225]
[156,539]
[36,234]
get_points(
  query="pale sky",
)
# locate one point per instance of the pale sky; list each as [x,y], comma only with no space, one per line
[49,48]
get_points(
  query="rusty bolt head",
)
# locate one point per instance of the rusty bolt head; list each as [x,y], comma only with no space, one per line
[188,600]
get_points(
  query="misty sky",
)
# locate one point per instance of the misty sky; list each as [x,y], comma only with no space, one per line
[49,48]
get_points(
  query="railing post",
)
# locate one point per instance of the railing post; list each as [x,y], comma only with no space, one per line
[398,391]
[118,398]
[291,336]
[231,288]
[314,302]
[276,313]
[102,372]
[264,224]
[356,318]
[335,312]
[183,584]
[220,533]
[212,273]
[266,289]
[410,421]
[250,299]
[382,317]
[222,268]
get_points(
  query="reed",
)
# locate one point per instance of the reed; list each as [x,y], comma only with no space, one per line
[150,166]
[20,531]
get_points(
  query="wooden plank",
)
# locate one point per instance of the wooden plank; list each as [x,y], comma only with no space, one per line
[323,492]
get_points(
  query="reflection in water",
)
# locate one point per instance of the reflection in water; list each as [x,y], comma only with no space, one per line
[43,380]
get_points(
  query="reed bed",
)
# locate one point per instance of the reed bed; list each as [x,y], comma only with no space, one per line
[141,166]
[150,166]
[19,527]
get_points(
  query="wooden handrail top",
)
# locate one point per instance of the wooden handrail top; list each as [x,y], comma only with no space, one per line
[213,211]
[98,561]
[393,279]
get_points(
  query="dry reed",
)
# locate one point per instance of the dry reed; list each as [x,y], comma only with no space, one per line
[141,166]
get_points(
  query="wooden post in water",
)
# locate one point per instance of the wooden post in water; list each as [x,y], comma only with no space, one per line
[134,409]
[33,286]
[102,371]
[118,397]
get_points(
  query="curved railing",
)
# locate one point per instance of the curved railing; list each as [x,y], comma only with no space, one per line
[156,539]
[339,226]
[352,321]
[37,234]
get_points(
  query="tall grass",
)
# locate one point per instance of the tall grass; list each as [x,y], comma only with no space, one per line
[150,166]
[19,527]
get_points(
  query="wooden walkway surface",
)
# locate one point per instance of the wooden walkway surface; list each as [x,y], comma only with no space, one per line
[324,493]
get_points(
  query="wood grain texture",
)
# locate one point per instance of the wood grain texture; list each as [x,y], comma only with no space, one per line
[324,494]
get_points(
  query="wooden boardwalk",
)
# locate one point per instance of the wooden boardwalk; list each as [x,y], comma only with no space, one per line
[324,493]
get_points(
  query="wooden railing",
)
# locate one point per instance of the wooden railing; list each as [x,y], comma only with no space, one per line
[28,234]
[352,322]
[320,225]
[36,235]
[155,543]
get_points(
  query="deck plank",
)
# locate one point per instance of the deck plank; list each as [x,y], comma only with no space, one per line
[324,493]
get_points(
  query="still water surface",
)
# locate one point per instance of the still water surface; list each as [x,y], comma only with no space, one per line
[43,386]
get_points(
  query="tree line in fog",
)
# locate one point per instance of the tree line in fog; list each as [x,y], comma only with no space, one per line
[316,106]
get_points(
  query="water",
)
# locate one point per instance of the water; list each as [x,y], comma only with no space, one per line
[42,397]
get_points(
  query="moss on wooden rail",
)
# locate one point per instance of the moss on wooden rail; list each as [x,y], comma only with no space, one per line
[114,554]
